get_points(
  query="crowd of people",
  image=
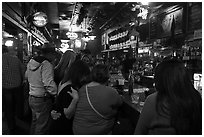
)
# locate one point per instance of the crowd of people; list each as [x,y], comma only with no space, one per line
[74,97]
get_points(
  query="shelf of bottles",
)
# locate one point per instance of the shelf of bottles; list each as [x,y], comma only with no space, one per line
[192,50]
[119,39]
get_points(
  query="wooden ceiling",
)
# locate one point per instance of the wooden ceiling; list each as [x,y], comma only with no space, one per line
[86,17]
[90,17]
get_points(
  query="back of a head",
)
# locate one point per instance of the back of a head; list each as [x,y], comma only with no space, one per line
[173,79]
[174,86]
[77,73]
[65,62]
[67,58]
[12,50]
[100,73]
[47,48]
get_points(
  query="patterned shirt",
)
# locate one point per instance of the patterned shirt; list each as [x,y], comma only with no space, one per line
[12,71]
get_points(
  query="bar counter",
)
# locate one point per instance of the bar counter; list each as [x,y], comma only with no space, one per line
[131,108]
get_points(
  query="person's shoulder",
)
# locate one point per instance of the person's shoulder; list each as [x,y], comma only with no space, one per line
[14,59]
[7,55]
[151,98]
[82,88]
[47,63]
[110,89]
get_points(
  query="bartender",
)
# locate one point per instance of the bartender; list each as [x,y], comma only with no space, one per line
[127,64]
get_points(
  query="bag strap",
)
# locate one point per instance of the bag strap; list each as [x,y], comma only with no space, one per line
[61,86]
[87,94]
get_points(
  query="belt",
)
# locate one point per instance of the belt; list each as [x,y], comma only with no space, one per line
[37,96]
[44,98]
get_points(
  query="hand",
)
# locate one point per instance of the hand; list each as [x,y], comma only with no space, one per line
[68,113]
[74,94]
[55,115]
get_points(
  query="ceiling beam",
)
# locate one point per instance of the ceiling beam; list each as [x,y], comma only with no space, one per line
[73,13]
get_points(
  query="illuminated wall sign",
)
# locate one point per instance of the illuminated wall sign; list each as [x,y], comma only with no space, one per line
[40,19]
[71,35]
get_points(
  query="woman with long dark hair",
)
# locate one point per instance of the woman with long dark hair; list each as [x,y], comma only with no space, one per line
[176,107]
[64,64]
[67,98]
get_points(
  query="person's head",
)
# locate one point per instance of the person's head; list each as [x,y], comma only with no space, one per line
[48,51]
[87,57]
[47,48]
[172,79]
[67,59]
[12,50]
[177,97]
[77,74]
[100,73]
[65,62]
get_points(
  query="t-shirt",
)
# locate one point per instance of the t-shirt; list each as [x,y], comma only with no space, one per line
[105,100]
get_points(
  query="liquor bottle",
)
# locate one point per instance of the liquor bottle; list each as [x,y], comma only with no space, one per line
[130,82]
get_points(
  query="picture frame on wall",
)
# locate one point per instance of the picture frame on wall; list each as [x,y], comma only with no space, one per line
[164,24]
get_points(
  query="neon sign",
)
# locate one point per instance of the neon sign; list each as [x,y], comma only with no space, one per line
[71,35]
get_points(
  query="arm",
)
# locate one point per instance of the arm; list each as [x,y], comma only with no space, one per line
[26,75]
[48,78]
[117,99]
[115,102]
[69,112]
[146,116]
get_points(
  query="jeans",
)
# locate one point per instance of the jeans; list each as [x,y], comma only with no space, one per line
[41,108]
